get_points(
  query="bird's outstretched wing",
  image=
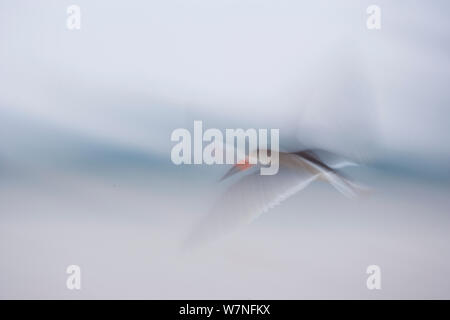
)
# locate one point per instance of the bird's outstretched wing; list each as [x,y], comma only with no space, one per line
[329,165]
[249,197]
[326,158]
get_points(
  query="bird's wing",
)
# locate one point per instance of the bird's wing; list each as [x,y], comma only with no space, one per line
[327,164]
[249,197]
[330,159]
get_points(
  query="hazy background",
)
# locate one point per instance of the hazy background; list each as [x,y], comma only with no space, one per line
[85,124]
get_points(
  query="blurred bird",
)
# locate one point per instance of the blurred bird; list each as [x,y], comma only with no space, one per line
[254,194]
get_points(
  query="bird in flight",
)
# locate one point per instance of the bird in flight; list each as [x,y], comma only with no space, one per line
[254,194]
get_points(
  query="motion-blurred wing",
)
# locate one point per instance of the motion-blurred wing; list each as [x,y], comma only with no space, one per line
[245,200]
